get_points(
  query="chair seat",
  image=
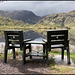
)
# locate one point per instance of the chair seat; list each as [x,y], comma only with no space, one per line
[17,46]
[57,46]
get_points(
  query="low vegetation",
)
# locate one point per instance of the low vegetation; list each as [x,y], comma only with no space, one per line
[58,52]
[62,70]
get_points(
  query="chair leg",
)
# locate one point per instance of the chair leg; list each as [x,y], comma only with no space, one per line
[62,54]
[14,56]
[5,55]
[46,53]
[68,55]
[30,50]
[24,53]
[43,51]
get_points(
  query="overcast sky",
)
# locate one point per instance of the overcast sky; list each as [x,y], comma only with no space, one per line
[40,8]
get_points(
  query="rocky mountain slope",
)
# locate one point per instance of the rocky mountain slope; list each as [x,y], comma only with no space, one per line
[62,19]
[24,15]
[10,22]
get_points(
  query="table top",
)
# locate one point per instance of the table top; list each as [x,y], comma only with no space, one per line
[35,42]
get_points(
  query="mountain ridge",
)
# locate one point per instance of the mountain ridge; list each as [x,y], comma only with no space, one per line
[62,19]
[24,15]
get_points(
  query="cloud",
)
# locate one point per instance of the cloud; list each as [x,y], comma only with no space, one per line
[40,8]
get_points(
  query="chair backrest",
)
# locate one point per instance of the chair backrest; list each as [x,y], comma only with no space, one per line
[13,38]
[56,37]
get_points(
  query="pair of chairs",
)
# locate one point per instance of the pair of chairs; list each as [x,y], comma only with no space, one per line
[55,39]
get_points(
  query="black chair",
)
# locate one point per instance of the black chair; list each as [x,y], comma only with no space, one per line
[58,39]
[14,39]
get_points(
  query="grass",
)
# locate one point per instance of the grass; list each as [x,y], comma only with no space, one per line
[2,55]
[61,69]
[58,52]
[72,55]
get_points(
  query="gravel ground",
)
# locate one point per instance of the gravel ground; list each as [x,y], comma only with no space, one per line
[31,67]
[34,66]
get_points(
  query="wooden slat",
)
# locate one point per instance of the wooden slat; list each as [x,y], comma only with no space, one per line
[55,32]
[58,37]
[14,42]
[13,37]
[12,33]
[57,46]
[57,42]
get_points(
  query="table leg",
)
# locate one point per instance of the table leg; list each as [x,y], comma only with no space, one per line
[30,50]
[24,54]
[44,51]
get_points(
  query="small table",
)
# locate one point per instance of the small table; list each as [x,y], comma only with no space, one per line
[36,53]
[31,53]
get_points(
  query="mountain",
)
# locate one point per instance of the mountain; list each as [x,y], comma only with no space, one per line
[62,19]
[24,15]
[10,22]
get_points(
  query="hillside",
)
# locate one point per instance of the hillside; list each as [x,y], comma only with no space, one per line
[10,22]
[59,21]
[24,15]
[62,19]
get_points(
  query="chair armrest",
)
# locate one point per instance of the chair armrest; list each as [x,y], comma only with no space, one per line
[44,40]
[27,40]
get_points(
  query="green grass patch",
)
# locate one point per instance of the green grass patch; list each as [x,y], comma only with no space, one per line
[2,55]
[72,55]
[58,52]
[62,70]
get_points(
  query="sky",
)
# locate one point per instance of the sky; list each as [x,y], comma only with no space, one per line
[40,8]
